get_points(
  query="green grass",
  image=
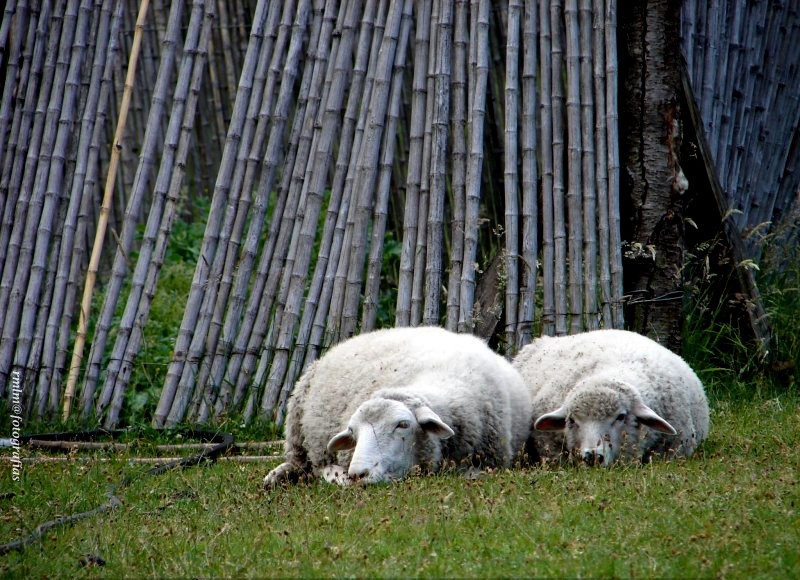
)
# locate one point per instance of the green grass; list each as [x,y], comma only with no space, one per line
[731,510]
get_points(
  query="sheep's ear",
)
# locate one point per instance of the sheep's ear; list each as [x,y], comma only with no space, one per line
[555,421]
[342,441]
[650,418]
[432,423]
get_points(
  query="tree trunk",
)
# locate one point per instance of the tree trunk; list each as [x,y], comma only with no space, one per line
[654,183]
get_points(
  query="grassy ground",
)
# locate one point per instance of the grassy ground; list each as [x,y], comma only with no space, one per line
[731,511]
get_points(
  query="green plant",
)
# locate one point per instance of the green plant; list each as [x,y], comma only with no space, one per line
[390,273]
[717,344]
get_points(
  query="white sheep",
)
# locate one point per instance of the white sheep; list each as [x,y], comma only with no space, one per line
[383,402]
[609,393]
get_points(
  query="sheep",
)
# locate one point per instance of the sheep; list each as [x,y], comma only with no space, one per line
[380,404]
[594,393]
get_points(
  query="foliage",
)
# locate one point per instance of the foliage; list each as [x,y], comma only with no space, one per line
[717,345]
[390,274]
[730,511]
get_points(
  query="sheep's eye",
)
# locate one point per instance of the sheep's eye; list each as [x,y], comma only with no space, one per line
[622,416]
[571,422]
[403,425]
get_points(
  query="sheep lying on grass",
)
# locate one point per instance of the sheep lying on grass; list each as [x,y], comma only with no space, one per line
[610,393]
[384,402]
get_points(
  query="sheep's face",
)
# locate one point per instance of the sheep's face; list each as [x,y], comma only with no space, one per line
[383,435]
[600,422]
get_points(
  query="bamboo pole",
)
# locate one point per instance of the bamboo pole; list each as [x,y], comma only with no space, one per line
[94,114]
[477,116]
[438,170]
[84,186]
[574,170]
[372,285]
[289,73]
[339,205]
[232,288]
[260,329]
[255,325]
[458,158]
[530,209]
[159,221]
[559,170]
[11,56]
[589,190]
[546,153]
[94,261]
[20,137]
[420,247]
[414,172]
[601,161]
[307,181]
[335,314]
[612,144]
[511,176]
[195,49]
[28,208]
[296,178]
[366,167]
[223,280]
[282,238]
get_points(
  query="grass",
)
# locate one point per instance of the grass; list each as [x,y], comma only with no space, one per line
[731,511]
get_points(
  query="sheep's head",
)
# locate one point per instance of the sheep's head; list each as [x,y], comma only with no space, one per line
[600,418]
[384,435]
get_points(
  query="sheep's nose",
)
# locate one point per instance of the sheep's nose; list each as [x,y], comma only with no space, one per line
[592,458]
[358,472]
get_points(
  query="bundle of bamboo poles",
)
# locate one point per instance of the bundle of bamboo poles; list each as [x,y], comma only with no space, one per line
[63,81]
[742,58]
[316,128]
[313,128]
[242,345]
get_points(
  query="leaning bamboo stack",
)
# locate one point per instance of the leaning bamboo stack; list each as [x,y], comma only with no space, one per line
[242,347]
[300,159]
[63,64]
[742,61]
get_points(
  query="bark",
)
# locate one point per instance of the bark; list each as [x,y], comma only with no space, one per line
[655,182]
